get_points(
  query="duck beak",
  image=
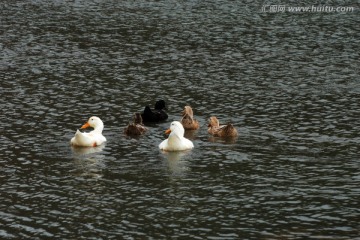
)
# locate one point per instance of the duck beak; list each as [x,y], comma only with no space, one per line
[168,131]
[86,125]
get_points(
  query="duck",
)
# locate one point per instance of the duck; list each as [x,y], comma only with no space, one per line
[136,127]
[156,115]
[217,130]
[176,140]
[188,121]
[90,139]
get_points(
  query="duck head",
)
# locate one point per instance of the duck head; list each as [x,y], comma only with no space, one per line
[176,128]
[213,122]
[137,118]
[159,105]
[187,111]
[95,123]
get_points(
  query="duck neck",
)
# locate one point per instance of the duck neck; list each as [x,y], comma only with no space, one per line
[174,139]
[190,112]
[99,128]
[188,116]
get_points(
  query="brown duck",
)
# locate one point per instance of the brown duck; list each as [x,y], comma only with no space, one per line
[136,127]
[188,121]
[217,130]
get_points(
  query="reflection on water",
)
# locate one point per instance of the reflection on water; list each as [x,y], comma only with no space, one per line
[79,151]
[226,140]
[191,134]
[288,82]
[87,161]
[177,162]
[89,167]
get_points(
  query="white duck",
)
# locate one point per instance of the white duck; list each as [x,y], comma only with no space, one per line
[90,139]
[176,140]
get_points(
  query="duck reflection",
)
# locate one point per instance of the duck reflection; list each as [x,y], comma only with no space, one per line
[176,162]
[225,140]
[87,150]
[191,134]
[87,161]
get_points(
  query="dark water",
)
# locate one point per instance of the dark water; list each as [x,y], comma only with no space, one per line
[289,82]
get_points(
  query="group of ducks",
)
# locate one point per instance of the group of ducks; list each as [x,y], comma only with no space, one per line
[176,140]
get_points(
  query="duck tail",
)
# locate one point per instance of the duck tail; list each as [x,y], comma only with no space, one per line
[230,130]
